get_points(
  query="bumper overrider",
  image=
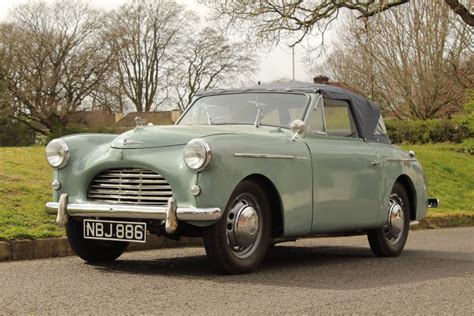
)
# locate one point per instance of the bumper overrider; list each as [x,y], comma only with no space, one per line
[171,213]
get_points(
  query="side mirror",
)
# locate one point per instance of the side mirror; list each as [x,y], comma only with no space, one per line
[298,128]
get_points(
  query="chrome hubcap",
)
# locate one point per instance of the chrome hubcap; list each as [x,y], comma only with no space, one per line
[243,227]
[396,220]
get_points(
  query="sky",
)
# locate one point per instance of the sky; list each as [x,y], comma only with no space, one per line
[273,65]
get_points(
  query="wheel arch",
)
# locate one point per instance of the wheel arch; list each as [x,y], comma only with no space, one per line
[409,187]
[274,199]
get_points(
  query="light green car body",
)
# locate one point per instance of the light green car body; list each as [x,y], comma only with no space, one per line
[319,184]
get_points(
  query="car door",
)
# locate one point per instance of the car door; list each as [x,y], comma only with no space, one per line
[345,170]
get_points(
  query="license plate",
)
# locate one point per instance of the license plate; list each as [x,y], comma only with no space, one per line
[115,230]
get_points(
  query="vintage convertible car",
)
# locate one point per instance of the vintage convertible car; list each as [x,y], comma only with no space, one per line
[236,172]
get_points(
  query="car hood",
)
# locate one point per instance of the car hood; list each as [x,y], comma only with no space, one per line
[174,135]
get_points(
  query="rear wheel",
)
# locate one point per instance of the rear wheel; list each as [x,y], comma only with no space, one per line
[92,250]
[238,242]
[389,240]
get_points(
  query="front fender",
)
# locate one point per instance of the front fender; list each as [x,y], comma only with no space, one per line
[286,163]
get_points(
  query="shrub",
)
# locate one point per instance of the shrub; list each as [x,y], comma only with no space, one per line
[14,133]
[467,146]
[454,130]
[76,129]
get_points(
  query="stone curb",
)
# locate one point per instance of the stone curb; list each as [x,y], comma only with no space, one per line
[59,246]
[445,222]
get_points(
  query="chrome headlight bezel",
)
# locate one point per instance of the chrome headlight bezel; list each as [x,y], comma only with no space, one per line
[198,150]
[57,153]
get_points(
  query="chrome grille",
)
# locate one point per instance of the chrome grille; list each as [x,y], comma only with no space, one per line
[130,186]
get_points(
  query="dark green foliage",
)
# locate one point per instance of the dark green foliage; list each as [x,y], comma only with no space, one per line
[467,146]
[454,130]
[14,133]
[76,129]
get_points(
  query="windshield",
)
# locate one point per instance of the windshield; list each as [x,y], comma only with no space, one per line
[273,109]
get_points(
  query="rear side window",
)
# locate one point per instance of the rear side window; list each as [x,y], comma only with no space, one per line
[339,120]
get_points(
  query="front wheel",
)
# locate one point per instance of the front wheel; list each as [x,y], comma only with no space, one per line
[389,240]
[92,250]
[238,242]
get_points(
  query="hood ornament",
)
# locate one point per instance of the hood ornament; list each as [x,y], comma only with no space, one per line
[139,121]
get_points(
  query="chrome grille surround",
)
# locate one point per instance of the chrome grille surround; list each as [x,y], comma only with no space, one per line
[136,186]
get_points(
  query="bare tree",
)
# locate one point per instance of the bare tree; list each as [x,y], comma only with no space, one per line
[271,19]
[52,60]
[146,35]
[5,97]
[210,59]
[109,94]
[412,60]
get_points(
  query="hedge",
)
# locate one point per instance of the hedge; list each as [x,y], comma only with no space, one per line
[467,146]
[76,129]
[455,130]
[14,133]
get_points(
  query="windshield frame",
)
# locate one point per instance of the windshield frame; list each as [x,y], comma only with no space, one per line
[309,101]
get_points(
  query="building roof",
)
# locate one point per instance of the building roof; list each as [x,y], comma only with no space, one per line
[93,119]
[157,118]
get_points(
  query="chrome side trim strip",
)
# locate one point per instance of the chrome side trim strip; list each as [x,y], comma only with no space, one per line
[272,156]
[400,159]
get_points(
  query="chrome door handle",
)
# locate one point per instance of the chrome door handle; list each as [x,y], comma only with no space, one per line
[375,162]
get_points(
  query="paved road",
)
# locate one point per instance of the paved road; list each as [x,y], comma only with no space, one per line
[435,274]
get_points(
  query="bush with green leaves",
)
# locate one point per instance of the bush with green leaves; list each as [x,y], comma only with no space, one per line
[77,129]
[467,146]
[14,133]
[455,130]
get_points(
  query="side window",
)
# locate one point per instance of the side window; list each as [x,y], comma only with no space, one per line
[339,121]
[316,121]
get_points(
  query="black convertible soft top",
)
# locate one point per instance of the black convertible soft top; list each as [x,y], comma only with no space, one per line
[366,113]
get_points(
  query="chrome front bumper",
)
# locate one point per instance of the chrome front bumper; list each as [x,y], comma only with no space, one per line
[170,213]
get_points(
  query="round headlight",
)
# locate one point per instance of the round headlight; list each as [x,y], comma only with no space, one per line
[197,154]
[57,153]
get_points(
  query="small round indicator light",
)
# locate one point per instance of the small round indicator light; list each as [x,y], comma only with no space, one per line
[56,184]
[196,190]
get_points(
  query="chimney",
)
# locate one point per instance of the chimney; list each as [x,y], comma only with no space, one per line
[321,79]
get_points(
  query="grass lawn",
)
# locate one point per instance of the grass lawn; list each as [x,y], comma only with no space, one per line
[25,185]
[25,179]
[450,177]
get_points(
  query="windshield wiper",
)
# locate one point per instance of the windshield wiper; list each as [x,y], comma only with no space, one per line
[260,115]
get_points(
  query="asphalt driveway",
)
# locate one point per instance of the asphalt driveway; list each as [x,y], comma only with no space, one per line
[435,274]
